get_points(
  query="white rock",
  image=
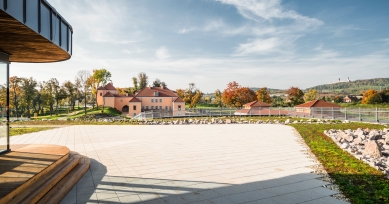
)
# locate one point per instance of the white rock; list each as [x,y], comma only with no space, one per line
[344,145]
[372,149]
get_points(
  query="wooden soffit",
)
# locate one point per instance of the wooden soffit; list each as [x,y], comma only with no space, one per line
[25,45]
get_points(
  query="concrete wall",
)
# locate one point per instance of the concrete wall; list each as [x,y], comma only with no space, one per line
[166,101]
[121,101]
[101,93]
[109,102]
[177,112]
[132,112]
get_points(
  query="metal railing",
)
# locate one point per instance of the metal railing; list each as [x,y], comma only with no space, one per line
[352,114]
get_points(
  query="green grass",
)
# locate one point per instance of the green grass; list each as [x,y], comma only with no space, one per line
[107,110]
[20,131]
[359,105]
[357,180]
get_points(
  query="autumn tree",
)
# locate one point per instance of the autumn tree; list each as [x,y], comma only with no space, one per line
[100,77]
[236,96]
[15,92]
[218,98]
[295,95]
[263,95]
[311,95]
[371,97]
[191,95]
[385,95]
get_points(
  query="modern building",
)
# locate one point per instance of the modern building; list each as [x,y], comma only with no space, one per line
[155,99]
[32,31]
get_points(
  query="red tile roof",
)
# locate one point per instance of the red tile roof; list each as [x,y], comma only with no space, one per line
[257,103]
[135,100]
[108,94]
[318,104]
[178,99]
[109,86]
[149,92]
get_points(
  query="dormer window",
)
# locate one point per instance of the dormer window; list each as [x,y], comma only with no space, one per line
[156,93]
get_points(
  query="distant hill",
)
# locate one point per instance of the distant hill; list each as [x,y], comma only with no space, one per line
[354,87]
[272,91]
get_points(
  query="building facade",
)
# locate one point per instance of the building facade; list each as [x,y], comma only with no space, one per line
[156,99]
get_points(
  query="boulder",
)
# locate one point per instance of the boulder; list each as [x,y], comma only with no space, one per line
[357,140]
[287,121]
[372,149]
[228,121]
[344,145]
[347,137]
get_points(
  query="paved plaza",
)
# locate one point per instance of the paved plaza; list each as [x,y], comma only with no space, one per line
[223,164]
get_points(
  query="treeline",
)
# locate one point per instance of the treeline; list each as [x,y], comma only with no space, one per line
[28,96]
[354,87]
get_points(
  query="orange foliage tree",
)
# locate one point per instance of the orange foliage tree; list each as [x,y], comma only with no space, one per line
[371,97]
[295,95]
[236,96]
[263,95]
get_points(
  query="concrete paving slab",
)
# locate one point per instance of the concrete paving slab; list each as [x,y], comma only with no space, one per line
[247,163]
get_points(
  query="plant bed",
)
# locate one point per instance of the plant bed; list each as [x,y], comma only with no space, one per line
[357,180]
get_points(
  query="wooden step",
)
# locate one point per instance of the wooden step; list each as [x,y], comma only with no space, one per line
[56,194]
[25,163]
[34,192]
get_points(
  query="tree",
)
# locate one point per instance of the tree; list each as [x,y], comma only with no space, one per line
[191,95]
[48,95]
[218,98]
[338,99]
[71,93]
[135,83]
[263,95]
[143,80]
[236,96]
[385,95]
[278,101]
[15,92]
[371,97]
[83,84]
[295,95]
[311,95]
[28,91]
[100,77]
[157,83]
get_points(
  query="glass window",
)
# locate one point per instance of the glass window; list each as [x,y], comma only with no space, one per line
[152,100]
[160,100]
[101,94]
[160,107]
[165,107]
[156,107]
[121,100]
[134,107]
[152,107]
[179,107]
[147,107]
[3,107]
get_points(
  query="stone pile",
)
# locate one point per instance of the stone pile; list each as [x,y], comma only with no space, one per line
[370,146]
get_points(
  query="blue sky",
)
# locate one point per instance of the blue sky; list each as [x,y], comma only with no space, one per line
[257,43]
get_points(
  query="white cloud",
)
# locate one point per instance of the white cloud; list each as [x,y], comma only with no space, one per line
[162,53]
[186,30]
[259,46]
[213,25]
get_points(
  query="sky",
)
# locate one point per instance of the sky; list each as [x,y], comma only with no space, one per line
[257,43]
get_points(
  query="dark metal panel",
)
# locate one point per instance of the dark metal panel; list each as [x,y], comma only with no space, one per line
[15,9]
[70,41]
[64,36]
[32,14]
[45,21]
[2,4]
[4,57]
[55,28]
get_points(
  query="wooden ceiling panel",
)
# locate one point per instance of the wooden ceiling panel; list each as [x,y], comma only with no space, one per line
[25,45]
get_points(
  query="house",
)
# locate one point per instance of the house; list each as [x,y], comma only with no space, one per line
[350,99]
[254,108]
[316,107]
[155,99]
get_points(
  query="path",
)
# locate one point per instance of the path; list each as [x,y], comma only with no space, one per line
[189,164]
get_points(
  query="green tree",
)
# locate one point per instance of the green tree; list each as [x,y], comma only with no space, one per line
[311,95]
[83,85]
[100,77]
[143,80]
[15,93]
[191,95]
[28,91]
[71,92]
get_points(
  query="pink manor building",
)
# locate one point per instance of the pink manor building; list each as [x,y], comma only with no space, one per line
[154,99]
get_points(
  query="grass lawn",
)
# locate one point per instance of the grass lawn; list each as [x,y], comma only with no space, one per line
[20,131]
[107,110]
[357,180]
